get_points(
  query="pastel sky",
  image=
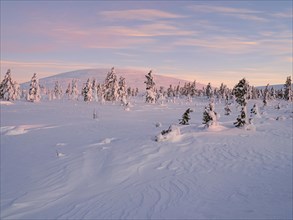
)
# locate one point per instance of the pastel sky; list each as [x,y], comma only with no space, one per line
[207,41]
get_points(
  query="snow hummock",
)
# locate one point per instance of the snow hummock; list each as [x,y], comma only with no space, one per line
[6,102]
[173,135]
[57,162]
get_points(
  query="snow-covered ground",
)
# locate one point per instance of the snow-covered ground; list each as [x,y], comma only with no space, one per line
[57,162]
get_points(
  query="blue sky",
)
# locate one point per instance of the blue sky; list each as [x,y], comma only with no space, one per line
[210,41]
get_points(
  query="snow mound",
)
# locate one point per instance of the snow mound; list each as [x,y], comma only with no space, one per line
[17,131]
[103,142]
[250,127]
[6,103]
[216,128]
[282,117]
[6,128]
[172,134]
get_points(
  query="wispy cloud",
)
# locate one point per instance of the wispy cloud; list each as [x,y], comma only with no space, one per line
[242,13]
[110,36]
[138,14]
[44,64]
[148,30]
[286,14]
[222,44]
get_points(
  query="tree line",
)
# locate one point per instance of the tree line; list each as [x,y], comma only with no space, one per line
[114,89]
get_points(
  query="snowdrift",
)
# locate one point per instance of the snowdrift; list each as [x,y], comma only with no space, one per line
[57,162]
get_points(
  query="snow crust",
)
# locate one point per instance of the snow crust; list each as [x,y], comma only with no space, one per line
[59,163]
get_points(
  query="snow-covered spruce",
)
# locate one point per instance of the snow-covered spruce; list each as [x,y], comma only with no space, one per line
[254,110]
[95,115]
[209,91]
[278,106]
[266,95]
[185,117]
[87,92]
[227,106]
[150,88]
[288,89]
[254,113]
[57,90]
[68,91]
[241,119]
[122,92]
[74,90]
[227,109]
[111,86]
[209,115]
[101,93]
[34,91]
[9,90]
[94,90]
[240,92]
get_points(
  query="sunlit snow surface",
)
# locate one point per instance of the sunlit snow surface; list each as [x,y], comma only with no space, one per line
[57,162]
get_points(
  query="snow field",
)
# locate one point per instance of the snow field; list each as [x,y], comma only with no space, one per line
[57,162]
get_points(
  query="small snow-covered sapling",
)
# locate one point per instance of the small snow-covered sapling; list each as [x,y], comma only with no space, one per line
[241,119]
[95,114]
[209,115]
[185,117]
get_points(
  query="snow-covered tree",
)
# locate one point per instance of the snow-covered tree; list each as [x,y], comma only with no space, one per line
[253,113]
[209,115]
[209,91]
[95,115]
[185,117]
[16,91]
[94,90]
[273,93]
[7,89]
[161,95]
[193,90]
[266,95]
[34,91]
[74,90]
[254,110]
[170,92]
[254,92]
[122,92]
[241,120]
[87,92]
[135,92]
[278,106]
[57,90]
[68,91]
[223,91]
[150,88]
[100,92]
[227,106]
[240,92]
[111,86]
[288,89]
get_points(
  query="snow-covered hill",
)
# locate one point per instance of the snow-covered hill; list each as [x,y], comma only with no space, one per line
[275,86]
[57,162]
[134,78]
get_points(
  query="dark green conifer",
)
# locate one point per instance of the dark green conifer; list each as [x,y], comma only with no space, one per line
[185,117]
